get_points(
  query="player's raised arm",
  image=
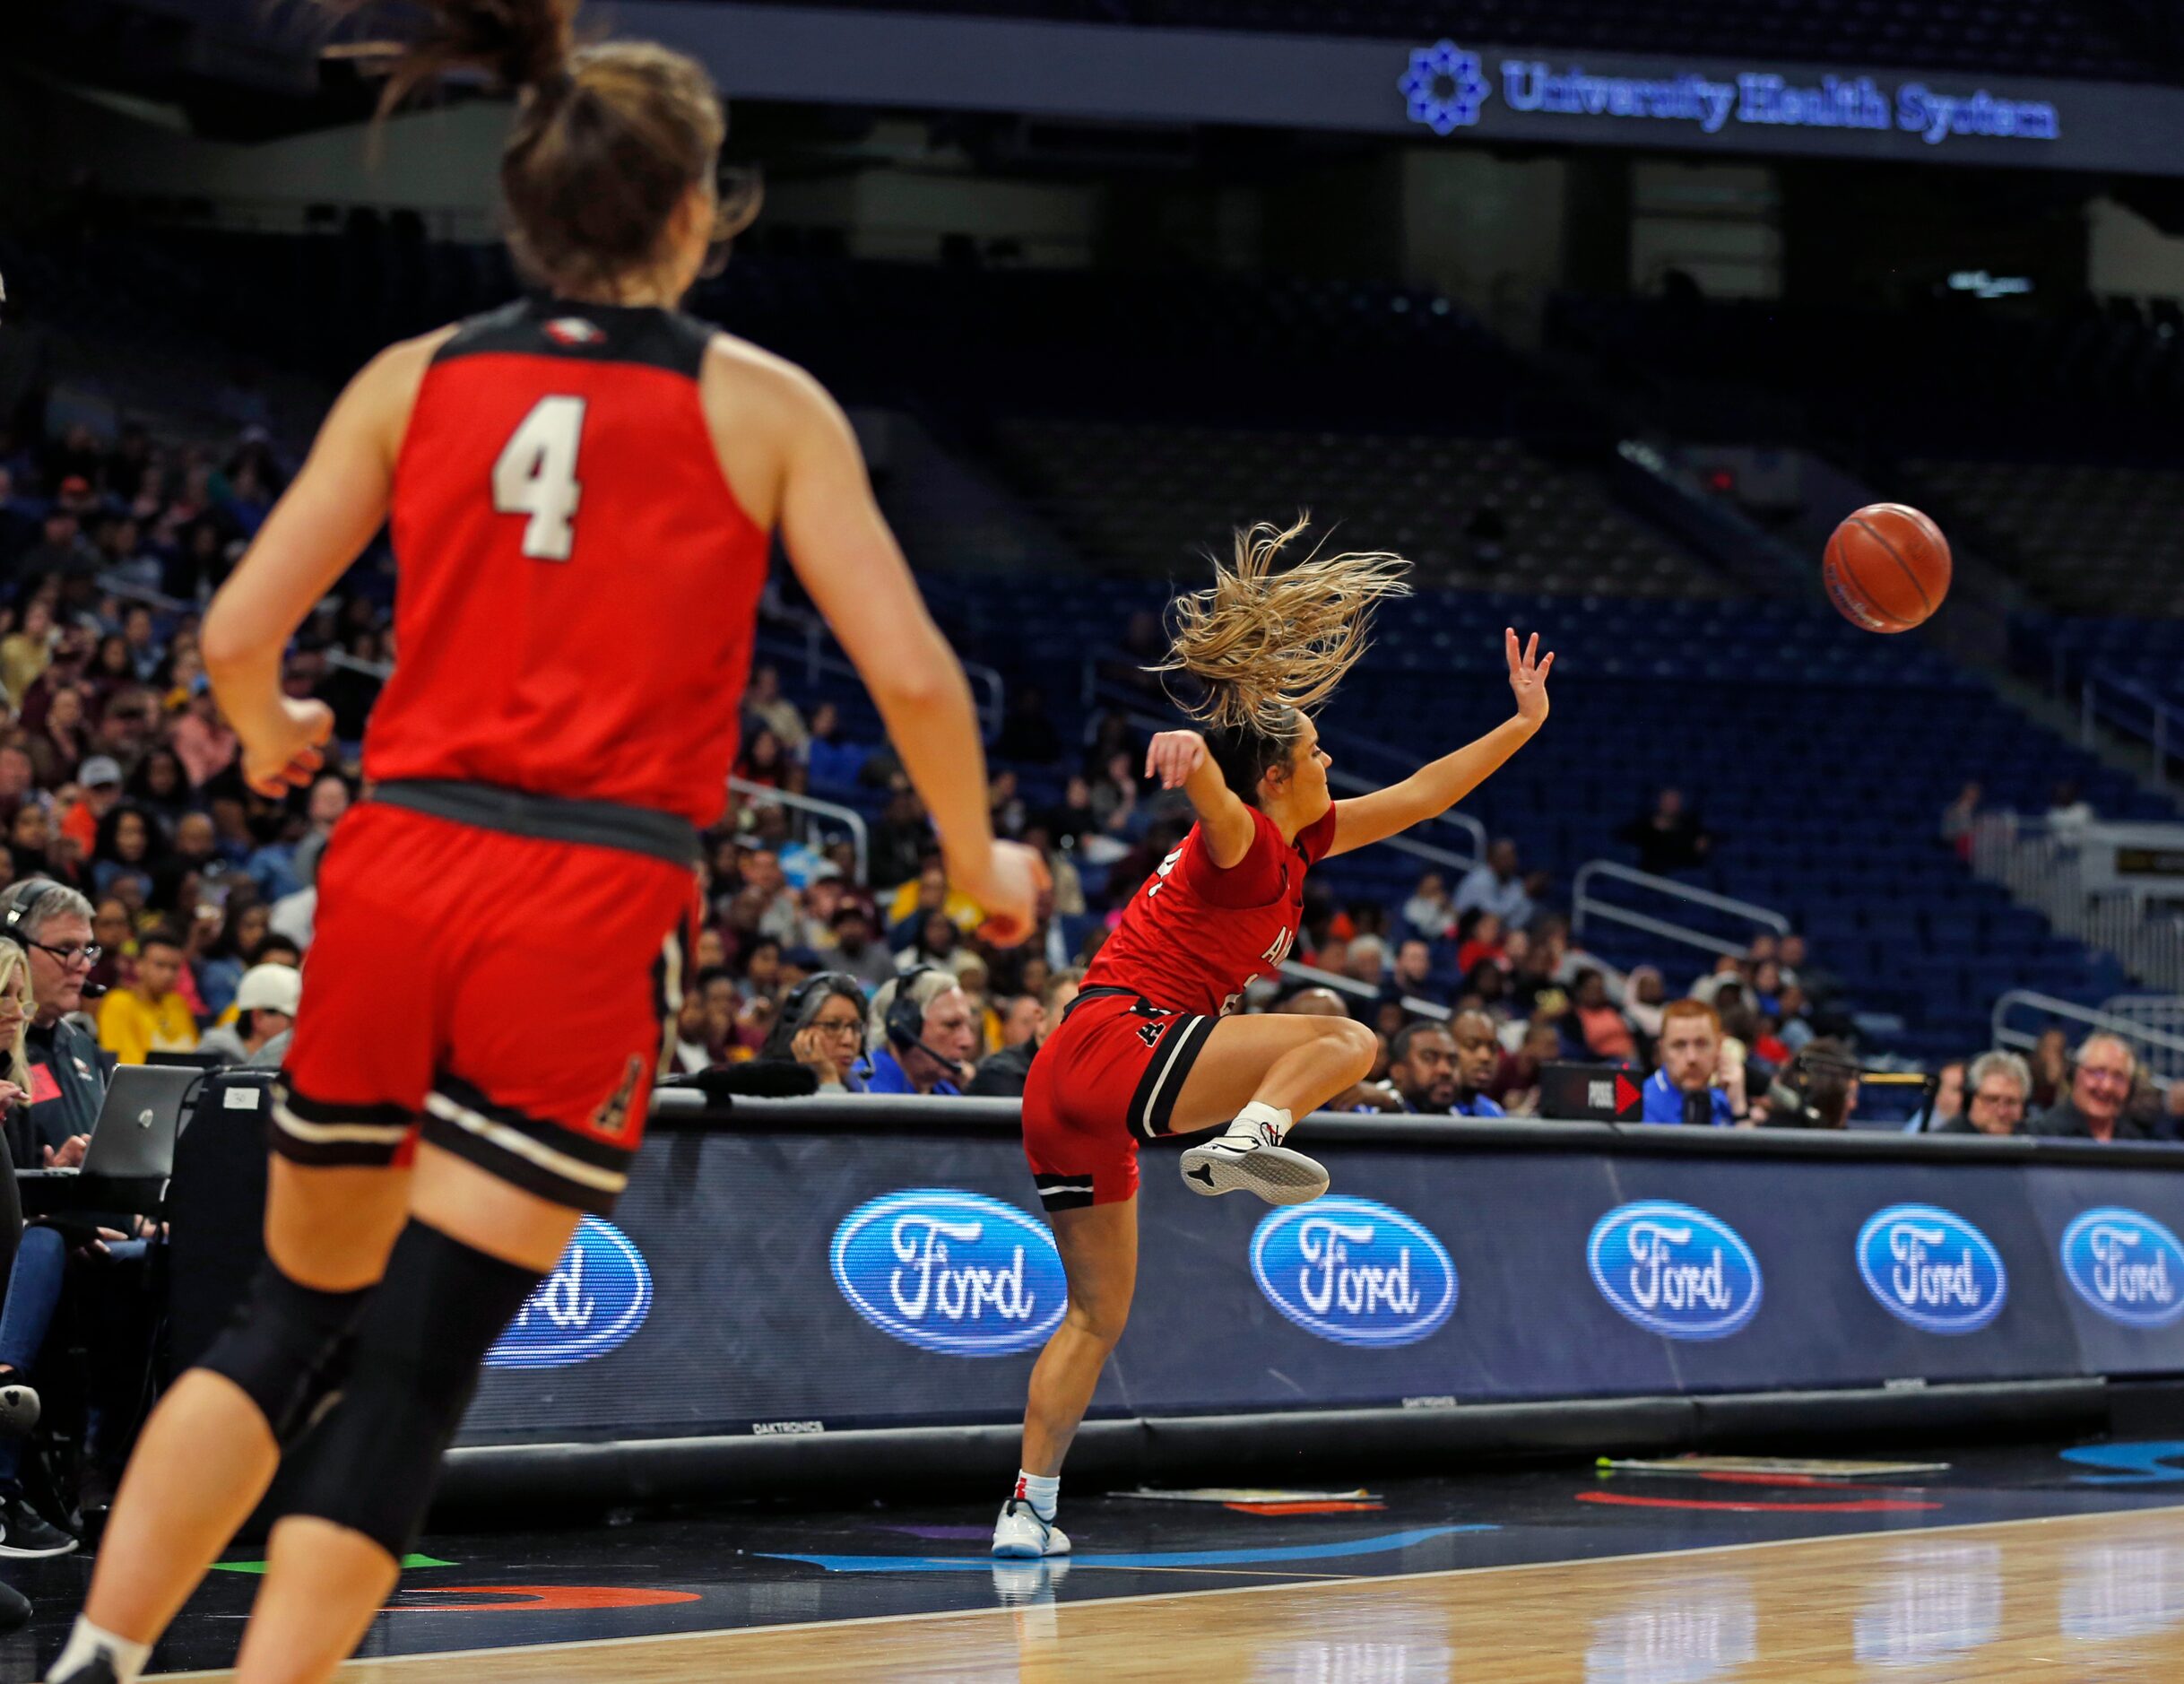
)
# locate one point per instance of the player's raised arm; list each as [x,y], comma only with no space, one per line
[320,525]
[1180,760]
[1432,790]
[850,563]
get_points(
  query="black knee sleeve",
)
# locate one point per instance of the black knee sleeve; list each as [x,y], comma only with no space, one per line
[285,1346]
[370,1462]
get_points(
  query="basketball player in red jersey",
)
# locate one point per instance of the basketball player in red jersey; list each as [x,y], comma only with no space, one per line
[1151,1047]
[583,489]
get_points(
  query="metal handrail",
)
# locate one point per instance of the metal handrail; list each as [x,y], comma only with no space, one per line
[813,632]
[2091,1017]
[1582,904]
[849,818]
[1403,842]
[1296,971]
[2159,712]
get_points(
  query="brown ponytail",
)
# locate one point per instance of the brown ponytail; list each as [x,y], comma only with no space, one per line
[608,140]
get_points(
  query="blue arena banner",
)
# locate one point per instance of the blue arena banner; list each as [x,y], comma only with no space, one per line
[780,1276]
[1485,91]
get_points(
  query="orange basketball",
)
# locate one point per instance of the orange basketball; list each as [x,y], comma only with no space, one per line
[1887,567]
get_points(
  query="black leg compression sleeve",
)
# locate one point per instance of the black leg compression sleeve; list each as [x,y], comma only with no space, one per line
[285,1346]
[370,1462]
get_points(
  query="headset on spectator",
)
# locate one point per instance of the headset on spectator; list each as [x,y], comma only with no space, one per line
[15,912]
[802,1003]
[905,1018]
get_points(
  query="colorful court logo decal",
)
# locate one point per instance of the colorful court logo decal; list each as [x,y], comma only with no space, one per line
[951,1271]
[529,1599]
[2147,1462]
[596,1297]
[1274,1556]
[2127,1265]
[1760,1506]
[1932,1269]
[1674,1270]
[1353,1273]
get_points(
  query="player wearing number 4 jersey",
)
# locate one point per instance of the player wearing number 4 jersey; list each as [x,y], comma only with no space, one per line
[583,489]
[1149,1048]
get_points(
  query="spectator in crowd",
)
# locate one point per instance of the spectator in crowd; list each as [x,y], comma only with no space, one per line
[934,943]
[900,838]
[855,949]
[831,761]
[2050,1067]
[1946,1107]
[265,1005]
[1479,940]
[1414,970]
[2102,1076]
[149,1013]
[1026,1025]
[99,778]
[1515,1087]
[930,891]
[2068,811]
[1996,1087]
[933,1058]
[821,1026]
[764,762]
[1827,1084]
[1371,1094]
[69,1073]
[1668,839]
[779,915]
[1644,994]
[26,651]
[1687,1086]
[1422,1069]
[1429,910]
[327,801]
[1496,886]
[775,712]
[202,738]
[1478,1057]
[1958,819]
[1115,795]
[1602,1029]
[1365,961]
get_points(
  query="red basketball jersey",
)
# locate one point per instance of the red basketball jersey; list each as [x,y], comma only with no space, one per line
[1194,934]
[578,586]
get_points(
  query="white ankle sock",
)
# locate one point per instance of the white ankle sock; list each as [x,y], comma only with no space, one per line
[87,1643]
[1042,1491]
[1258,1121]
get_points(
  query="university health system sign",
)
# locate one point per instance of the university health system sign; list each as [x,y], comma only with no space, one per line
[1447,88]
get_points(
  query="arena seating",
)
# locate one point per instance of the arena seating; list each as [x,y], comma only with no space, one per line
[1938,377]
[2055,38]
[1481,513]
[2085,538]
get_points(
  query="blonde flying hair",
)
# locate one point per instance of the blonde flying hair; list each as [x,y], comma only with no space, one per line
[1268,646]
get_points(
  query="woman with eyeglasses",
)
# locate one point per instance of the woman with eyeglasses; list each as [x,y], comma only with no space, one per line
[821,1026]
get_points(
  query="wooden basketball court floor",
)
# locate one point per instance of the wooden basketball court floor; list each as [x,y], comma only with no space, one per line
[2010,1565]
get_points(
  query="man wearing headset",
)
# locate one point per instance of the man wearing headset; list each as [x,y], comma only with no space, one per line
[2102,1075]
[921,1036]
[68,1072]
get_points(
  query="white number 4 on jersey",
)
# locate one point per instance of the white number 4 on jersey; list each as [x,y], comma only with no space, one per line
[536,475]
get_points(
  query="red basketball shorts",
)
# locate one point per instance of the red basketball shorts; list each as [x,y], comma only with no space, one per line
[1103,1081]
[503,998]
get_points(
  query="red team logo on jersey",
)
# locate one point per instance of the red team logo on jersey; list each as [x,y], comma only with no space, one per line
[572,330]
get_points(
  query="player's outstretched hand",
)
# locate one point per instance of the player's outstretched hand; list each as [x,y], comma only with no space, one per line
[287,754]
[1528,676]
[1014,887]
[1173,755]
